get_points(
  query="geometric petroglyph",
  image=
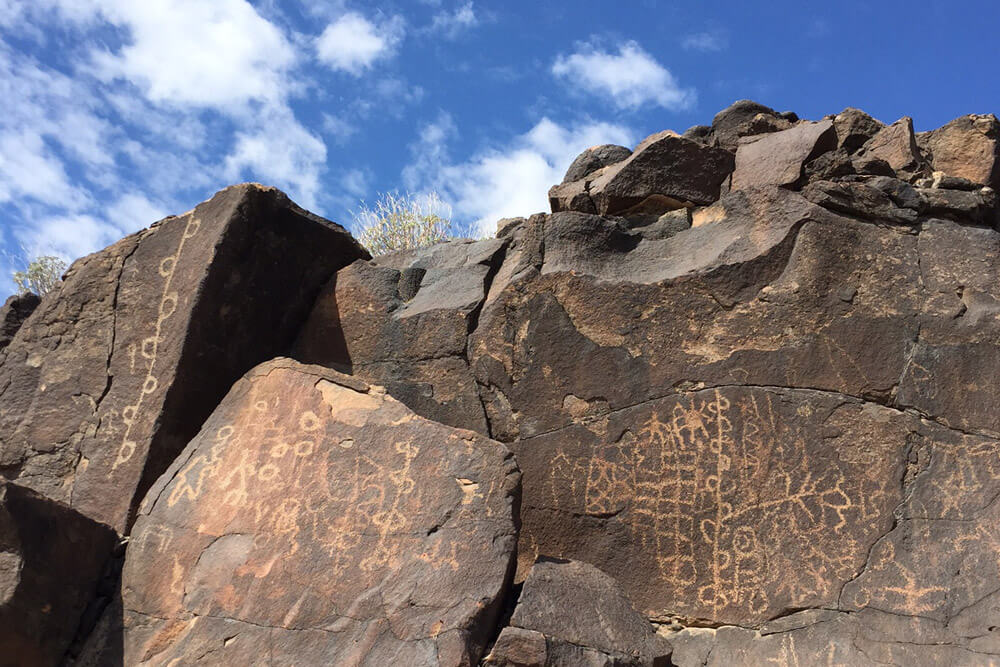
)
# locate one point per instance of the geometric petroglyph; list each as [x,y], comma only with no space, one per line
[303,502]
[148,348]
[739,503]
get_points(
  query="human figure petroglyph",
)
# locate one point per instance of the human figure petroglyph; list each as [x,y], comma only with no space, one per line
[247,479]
[707,483]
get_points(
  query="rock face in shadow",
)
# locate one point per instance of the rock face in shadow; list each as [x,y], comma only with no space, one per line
[13,313]
[401,321]
[571,613]
[316,520]
[115,372]
[51,561]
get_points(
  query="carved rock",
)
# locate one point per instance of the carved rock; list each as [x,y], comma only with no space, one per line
[51,560]
[318,521]
[111,376]
[13,313]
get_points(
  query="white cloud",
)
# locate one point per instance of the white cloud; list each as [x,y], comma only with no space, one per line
[28,168]
[341,130]
[355,183]
[210,54]
[279,151]
[430,152]
[710,40]
[353,44]
[135,211]
[68,236]
[631,78]
[506,182]
[451,24]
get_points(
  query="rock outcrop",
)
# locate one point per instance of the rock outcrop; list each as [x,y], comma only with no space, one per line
[571,613]
[13,313]
[318,521]
[747,374]
[107,381]
[52,559]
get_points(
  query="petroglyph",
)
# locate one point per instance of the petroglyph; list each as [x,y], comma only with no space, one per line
[150,345]
[737,496]
[293,478]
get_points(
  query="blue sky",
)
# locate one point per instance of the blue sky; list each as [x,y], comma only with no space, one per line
[117,112]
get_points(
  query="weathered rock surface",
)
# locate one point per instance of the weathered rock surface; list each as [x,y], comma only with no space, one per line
[51,560]
[743,118]
[109,379]
[593,159]
[571,613]
[896,144]
[402,320]
[664,172]
[854,128]
[317,521]
[13,313]
[967,147]
[778,158]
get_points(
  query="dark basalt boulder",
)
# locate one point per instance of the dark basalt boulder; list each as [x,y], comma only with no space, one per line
[896,144]
[854,128]
[665,172]
[967,147]
[111,376]
[745,118]
[593,159]
[779,158]
[571,613]
[402,320]
[13,313]
[316,520]
[52,559]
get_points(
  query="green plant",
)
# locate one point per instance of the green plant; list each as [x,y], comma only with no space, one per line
[400,222]
[41,275]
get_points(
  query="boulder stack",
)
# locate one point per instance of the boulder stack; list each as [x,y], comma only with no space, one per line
[731,402]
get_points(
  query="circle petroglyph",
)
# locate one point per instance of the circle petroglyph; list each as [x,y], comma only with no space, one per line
[309,421]
[167,265]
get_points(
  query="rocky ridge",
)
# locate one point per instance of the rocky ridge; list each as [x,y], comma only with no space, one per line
[731,402]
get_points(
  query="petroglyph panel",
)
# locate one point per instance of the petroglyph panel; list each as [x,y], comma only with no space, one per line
[943,555]
[116,372]
[727,504]
[308,505]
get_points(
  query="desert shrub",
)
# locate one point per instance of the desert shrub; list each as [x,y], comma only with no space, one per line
[41,275]
[400,222]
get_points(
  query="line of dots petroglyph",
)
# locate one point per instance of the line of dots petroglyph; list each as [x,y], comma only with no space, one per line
[150,345]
